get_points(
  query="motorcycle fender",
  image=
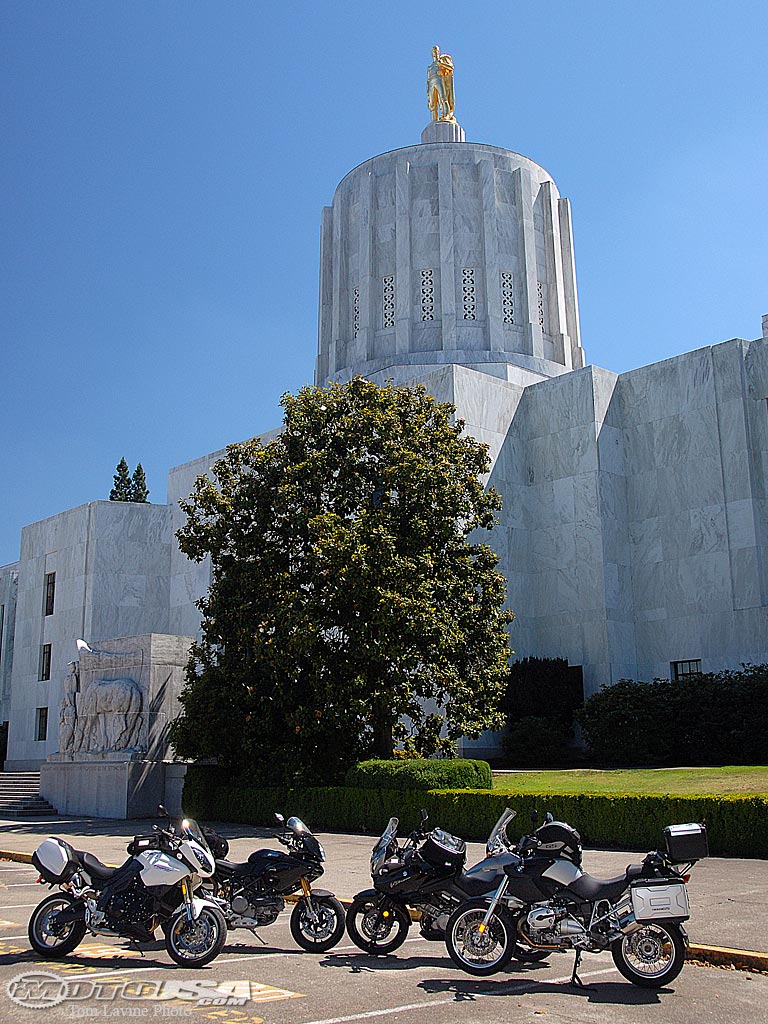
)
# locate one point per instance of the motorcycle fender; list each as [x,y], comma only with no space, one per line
[198,904]
[366,894]
[323,892]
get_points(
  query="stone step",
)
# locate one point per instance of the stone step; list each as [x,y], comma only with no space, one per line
[26,807]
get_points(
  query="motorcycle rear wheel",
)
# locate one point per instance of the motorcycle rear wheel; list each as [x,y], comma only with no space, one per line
[652,956]
[375,928]
[45,937]
[322,934]
[196,943]
[475,951]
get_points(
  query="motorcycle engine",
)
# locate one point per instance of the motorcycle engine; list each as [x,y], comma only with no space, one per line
[261,910]
[133,906]
[552,925]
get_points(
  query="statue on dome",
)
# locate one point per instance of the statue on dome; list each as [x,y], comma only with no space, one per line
[440,96]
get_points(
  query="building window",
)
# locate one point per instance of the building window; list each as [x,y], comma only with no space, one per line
[45,662]
[684,669]
[540,302]
[2,623]
[388,301]
[355,312]
[50,592]
[468,296]
[41,724]
[507,297]
[427,296]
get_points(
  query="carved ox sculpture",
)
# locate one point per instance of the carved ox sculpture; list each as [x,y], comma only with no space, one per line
[108,716]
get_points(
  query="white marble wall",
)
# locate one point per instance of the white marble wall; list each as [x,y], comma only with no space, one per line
[9,579]
[112,565]
[446,208]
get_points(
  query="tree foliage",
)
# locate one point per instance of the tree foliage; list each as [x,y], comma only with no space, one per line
[127,487]
[121,491]
[346,589]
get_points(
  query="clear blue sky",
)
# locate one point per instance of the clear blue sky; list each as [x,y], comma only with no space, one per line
[164,164]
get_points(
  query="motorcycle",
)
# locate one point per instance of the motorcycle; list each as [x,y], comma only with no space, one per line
[157,886]
[252,894]
[547,903]
[425,873]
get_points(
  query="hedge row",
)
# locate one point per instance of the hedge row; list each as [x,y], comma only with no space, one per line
[421,773]
[737,826]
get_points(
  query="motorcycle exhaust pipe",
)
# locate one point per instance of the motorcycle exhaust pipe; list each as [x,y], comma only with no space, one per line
[628,923]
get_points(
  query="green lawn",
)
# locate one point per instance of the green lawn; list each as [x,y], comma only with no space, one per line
[678,781]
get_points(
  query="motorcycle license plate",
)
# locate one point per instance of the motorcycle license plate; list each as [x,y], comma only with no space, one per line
[654,901]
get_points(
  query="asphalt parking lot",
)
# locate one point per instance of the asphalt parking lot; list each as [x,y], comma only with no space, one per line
[281,984]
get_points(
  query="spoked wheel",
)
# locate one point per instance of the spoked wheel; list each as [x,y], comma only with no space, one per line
[195,943]
[319,928]
[477,949]
[49,938]
[652,956]
[377,928]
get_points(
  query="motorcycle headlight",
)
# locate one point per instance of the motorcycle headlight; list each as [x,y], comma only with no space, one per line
[203,861]
[321,850]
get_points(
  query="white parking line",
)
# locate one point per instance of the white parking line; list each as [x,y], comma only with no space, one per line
[509,990]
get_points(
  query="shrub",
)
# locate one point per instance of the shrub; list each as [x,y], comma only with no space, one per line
[537,742]
[423,774]
[708,719]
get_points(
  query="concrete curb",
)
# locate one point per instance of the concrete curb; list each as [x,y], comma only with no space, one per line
[719,956]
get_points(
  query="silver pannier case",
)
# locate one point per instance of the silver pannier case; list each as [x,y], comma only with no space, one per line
[686,843]
[650,902]
[55,860]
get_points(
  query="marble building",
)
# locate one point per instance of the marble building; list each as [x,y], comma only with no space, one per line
[634,534]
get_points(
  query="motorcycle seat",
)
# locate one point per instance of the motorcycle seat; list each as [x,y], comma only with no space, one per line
[94,867]
[590,888]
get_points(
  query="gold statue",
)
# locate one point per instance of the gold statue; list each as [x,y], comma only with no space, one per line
[440,97]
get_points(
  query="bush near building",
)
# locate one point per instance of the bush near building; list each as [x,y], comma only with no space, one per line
[710,719]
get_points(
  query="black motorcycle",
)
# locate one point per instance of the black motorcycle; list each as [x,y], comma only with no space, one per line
[252,894]
[425,873]
[547,903]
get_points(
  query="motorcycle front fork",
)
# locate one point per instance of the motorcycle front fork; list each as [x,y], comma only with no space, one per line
[186,892]
[497,896]
[306,889]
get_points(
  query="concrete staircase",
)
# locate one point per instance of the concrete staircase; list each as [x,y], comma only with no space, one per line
[20,796]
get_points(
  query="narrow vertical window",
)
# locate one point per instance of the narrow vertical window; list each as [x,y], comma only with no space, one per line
[41,724]
[355,312]
[540,301]
[427,296]
[507,297]
[50,592]
[45,662]
[469,298]
[388,301]
[2,624]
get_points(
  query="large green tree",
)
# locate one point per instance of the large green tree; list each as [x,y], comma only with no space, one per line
[350,585]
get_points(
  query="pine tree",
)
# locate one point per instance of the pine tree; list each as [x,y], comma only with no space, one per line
[122,490]
[139,489]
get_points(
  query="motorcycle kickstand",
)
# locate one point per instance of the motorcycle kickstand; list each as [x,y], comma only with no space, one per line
[254,932]
[575,979]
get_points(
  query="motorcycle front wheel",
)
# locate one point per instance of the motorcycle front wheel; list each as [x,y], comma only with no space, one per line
[479,950]
[377,929]
[195,943]
[652,956]
[325,931]
[48,938]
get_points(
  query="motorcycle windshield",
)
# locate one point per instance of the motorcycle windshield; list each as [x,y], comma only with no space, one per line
[499,831]
[310,844]
[193,831]
[381,848]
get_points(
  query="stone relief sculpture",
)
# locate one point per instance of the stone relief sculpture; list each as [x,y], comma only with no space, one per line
[440,96]
[105,716]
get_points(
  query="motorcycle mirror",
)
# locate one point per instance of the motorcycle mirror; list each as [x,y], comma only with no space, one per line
[161,811]
[424,815]
[534,815]
[280,818]
[548,817]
